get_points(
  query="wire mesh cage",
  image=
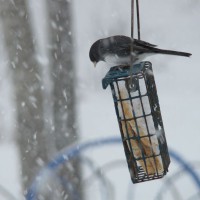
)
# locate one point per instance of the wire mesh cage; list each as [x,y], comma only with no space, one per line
[138,112]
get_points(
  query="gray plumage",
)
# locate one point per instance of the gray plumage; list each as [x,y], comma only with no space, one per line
[117,49]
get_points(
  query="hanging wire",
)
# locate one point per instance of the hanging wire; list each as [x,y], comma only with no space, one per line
[131,81]
[132,40]
[132,19]
[138,18]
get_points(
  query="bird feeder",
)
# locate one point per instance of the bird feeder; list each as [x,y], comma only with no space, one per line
[140,121]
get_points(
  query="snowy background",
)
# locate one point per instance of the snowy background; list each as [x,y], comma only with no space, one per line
[170,24]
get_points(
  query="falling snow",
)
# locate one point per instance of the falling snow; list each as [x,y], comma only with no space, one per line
[38,98]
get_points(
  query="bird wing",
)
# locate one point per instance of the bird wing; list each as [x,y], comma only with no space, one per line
[143,43]
[125,39]
[138,47]
[121,45]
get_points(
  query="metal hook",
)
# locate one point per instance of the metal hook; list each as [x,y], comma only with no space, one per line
[132,84]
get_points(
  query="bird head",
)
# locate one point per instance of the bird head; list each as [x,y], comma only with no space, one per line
[94,53]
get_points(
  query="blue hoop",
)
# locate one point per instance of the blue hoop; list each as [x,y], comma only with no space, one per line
[75,150]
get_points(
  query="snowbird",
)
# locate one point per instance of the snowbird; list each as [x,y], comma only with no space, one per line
[123,50]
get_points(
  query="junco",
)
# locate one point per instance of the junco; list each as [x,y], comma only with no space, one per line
[123,50]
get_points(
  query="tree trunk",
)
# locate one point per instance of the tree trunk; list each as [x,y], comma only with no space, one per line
[38,127]
[64,87]
[20,46]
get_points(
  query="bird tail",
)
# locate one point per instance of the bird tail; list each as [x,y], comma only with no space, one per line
[171,52]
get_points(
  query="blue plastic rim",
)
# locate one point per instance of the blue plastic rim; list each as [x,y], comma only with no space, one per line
[76,150]
[120,72]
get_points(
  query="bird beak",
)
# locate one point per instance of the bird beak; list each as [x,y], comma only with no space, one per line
[95,63]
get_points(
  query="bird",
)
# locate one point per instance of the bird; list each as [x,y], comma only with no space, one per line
[124,50]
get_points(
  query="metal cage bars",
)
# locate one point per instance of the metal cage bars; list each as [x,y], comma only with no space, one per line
[145,148]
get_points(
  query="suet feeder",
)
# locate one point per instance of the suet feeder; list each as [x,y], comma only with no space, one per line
[138,113]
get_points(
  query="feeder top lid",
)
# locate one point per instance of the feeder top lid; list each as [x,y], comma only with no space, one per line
[120,72]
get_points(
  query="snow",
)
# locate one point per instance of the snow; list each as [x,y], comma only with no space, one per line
[170,24]
[10,174]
